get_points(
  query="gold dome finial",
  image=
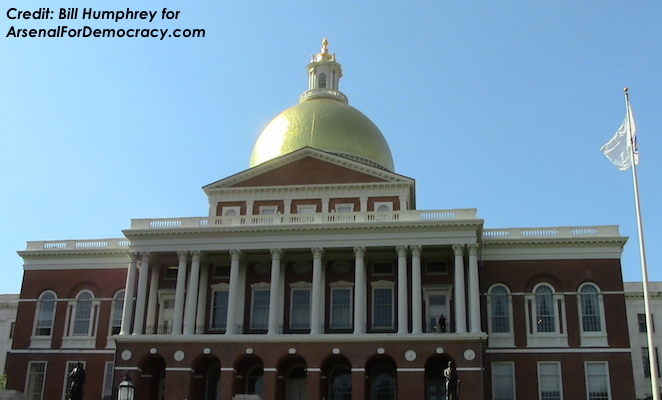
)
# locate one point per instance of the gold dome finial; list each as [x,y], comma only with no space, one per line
[324,53]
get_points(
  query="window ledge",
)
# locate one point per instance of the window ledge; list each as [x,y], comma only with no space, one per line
[85,342]
[40,342]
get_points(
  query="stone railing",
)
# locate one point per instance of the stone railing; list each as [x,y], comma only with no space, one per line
[551,233]
[302,219]
[96,244]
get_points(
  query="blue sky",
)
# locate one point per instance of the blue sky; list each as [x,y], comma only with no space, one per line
[496,105]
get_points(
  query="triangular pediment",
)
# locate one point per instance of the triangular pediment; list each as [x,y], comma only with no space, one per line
[307,167]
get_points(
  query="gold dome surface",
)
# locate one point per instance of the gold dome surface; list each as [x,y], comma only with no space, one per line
[324,124]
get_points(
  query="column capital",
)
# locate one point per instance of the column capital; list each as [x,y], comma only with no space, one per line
[458,250]
[133,256]
[183,256]
[196,255]
[235,254]
[359,252]
[415,250]
[401,250]
[144,256]
[317,252]
[473,249]
[276,253]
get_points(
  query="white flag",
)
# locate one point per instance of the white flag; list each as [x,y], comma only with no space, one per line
[617,149]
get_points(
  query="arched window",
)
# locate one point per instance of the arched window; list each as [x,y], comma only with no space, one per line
[545,315]
[254,380]
[45,314]
[590,308]
[118,305]
[382,383]
[211,382]
[499,310]
[83,314]
[340,383]
[321,81]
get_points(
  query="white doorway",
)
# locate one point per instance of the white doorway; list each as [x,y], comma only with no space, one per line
[437,303]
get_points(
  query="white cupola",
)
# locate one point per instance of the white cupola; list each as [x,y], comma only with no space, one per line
[323,76]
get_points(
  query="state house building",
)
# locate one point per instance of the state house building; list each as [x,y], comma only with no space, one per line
[314,276]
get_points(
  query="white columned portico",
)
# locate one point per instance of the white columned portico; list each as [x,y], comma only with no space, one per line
[274,291]
[416,291]
[403,326]
[152,301]
[139,318]
[315,320]
[235,256]
[474,292]
[460,305]
[180,290]
[192,294]
[203,286]
[359,290]
[128,294]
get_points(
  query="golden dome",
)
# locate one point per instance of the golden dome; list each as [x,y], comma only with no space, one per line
[326,124]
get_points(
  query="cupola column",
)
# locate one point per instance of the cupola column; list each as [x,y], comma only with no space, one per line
[180,291]
[403,325]
[191,294]
[274,291]
[474,292]
[460,305]
[139,322]
[416,292]
[315,320]
[359,290]
[127,309]
[235,256]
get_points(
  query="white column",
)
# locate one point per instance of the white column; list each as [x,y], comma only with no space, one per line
[325,205]
[152,301]
[139,319]
[287,206]
[416,291]
[460,308]
[128,294]
[403,326]
[363,203]
[274,291]
[179,293]
[232,293]
[192,294]
[403,202]
[249,207]
[203,286]
[315,320]
[359,290]
[474,292]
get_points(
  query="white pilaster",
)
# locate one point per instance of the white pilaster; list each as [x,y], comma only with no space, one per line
[403,326]
[403,203]
[203,286]
[235,256]
[474,292]
[363,201]
[249,207]
[127,309]
[180,291]
[416,291]
[192,294]
[325,204]
[287,206]
[359,290]
[315,321]
[139,319]
[152,300]
[274,291]
[460,307]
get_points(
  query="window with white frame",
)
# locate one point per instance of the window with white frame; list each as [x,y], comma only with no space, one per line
[341,307]
[382,305]
[108,372]
[435,267]
[499,307]
[260,309]
[383,206]
[549,381]
[545,313]
[34,384]
[219,307]
[597,381]
[118,305]
[300,308]
[82,312]
[345,208]
[546,321]
[646,363]
[321,81]
[45,314]
[221,271]
[503,381]
[382,268]
[593,331]
[268,210]
[306,209]
[69,367]
[231,211]
[641,321]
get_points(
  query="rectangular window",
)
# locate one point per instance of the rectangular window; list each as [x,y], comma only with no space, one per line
[68,377]
[45,317]
[503,381]
[171,273]
[647,366]
[549,381]
[436,268]
[221,271]
[300,310]
[260,309]
[382,268]
[11,329]
[641,321]
[341,308]
[344,208]
[382,308]
[219,311]
[306,209]
[108,372]
[268,210]
[597,381]
[34,384]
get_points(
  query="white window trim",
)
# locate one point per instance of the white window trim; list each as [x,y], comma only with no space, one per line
[337,207]
[87,341]
[427,270]
[306,208]
[108,383]
[219,287]
[112,310]
[27,377]
[300,286]
[560,377]
[268,210]
[382,284]
[388,204]
[500,339]
[67,371]
[592,339]
[257,287]
[164,295]
[341,285]
[512,370]
[43,341]
[215,276]
[236,209]
[606,367]
[558,338]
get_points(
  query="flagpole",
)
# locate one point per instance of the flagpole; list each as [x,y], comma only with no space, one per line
[655,391]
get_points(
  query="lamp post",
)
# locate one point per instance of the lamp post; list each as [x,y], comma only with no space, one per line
[126,390]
